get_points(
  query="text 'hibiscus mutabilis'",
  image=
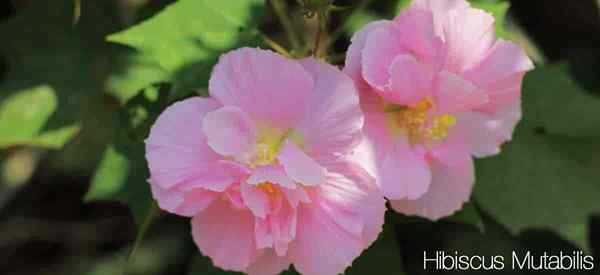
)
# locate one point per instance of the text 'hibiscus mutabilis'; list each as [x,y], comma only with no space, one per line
[262,166]
[437,88]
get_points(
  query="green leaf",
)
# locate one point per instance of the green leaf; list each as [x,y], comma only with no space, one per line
[383,257]
[498,9]
[122,173]
[24,115]
[203,265]
[468,215]
[110,175]
[187,37]
[548,175]
[49,58]
[359,19]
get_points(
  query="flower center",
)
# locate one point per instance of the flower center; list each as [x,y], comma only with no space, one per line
[418,122]
[268,188]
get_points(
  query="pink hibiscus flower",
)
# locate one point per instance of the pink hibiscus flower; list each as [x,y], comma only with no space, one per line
[262,166]
[437,88]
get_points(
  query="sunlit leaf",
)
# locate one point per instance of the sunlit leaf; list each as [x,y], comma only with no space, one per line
[187,37]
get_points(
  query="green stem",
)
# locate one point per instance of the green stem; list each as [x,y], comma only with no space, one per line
[152,212]
[335,35]
[275,46]
[280,7]
[319,34]
[76,11]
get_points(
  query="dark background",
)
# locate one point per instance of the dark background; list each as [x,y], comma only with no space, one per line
[45,228]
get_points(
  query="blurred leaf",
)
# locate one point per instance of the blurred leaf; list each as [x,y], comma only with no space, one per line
[498,9]
[139,73]
[110,175]
[383,257]
[202,265]
[548,176]
[57,79]
[23,116]
[122,174]
[187,37]
[468,215]
[402,4]
[359,19]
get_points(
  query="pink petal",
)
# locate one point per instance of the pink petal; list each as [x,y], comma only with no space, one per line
[453,150]
[277,229]
[184,203]
[404,173]
[500,73]
[454,95]
[469,34]
[411,81]
[268,87]
[450,187]
[271,173]
[484,133]
[377,141]
[176,148]
[256,200]
[381,48]
[322,246]
[503,60]
[440,10]
[300,167]
[226,235]
[353,66]
[333,124]
[268,264]
[345,180]
[344,218]
[230,132]
[296,196]
[415,30]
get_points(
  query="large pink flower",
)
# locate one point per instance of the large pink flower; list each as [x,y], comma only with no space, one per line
[262,166]
[437,88]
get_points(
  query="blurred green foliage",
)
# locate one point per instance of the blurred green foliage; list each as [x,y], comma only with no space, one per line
[68,87]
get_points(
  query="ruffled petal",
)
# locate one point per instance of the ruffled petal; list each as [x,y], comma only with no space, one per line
[454,95]
[484,133]
[299,166]
[268,264]
[404,173]
[353,66]
[381,48]
[184,203]
[268,87]
[500,74]
[440,10]
[450,187]
[468,34]
[411,81]
[332,127]
[176,148]
[255,199]
[273,174]
[230,132]
[321,246]
[226,235]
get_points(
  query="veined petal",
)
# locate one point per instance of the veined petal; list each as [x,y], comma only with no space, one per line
[230,132]
[268,87]
[450,187]
[299,166]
